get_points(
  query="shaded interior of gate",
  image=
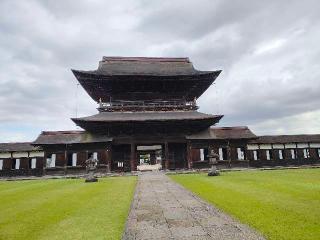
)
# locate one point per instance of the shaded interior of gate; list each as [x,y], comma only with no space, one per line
[126,157]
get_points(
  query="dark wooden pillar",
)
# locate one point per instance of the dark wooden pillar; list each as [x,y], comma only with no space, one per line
[108,158]
[246,152]
[152,157]
[166,155]
[229,154]
[189,155]
[28,162]
[44,162]
[133,164]
[65,161]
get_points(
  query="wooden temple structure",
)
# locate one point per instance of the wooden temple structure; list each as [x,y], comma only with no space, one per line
[148,107]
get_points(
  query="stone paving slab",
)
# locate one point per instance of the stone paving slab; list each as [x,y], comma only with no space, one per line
[162,209]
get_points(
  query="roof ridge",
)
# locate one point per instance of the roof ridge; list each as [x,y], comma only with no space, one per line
[62,132]
[231,128]
[16,143]
[285,135]
[146,59]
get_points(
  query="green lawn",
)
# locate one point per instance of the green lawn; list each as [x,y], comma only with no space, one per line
[65,209]
[281,204]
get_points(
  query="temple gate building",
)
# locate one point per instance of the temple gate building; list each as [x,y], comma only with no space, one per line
[148,115]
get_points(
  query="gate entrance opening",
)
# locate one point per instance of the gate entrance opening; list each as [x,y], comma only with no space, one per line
[149,157]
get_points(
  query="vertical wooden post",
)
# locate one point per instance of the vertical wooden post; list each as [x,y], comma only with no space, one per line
[133,165]
[108,156]
[11,160]
[229,153]
[44,162]
[28,162]
[65,160]
[189,157]
[246,153]
[166,155]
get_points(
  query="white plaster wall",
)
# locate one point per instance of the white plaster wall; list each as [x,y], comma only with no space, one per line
[303,145]
[36,154]
[265,146]
[5,155]
[19,154]
[290,145]
[253,146]
[315,145]
[278,146]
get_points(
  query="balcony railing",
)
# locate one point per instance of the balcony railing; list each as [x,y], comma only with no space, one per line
[154,105]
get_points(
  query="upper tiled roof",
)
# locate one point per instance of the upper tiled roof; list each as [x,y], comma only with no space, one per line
[146,66]
[140,78]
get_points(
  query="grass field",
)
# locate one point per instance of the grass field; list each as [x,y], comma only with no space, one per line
[65,209]
[281,204]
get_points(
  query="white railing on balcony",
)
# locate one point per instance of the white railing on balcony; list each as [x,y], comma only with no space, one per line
[146,105]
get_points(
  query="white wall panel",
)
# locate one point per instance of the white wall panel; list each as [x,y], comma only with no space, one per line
[5,155]
[74,159]
[36,154]
[280,154]
[253,146]
[303,145]
[290,145]
[220,154]
[268,154]
[19,154]
[265,146]
[202,154]
[278,146]
[17,163]
[240,154]
[33,163]
[53,160]
[315,145]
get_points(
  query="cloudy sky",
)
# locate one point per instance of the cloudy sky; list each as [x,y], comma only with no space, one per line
[269,52]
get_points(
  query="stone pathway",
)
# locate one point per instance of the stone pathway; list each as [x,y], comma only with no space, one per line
[163,209]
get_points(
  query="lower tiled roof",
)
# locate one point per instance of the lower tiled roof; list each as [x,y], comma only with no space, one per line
[18,147]
[224,133]
[146,116]
[301,138]
[69,137]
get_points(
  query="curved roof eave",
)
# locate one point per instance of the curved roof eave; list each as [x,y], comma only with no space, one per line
[99,73]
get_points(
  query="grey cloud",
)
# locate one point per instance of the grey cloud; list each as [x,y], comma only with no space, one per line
[40,41]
